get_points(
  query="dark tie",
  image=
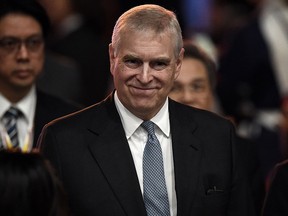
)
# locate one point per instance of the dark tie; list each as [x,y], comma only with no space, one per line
[10,123]
[154,186]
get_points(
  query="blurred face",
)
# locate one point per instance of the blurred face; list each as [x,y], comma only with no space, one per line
[192,86]
[144,70]
[21,52]
[57,10]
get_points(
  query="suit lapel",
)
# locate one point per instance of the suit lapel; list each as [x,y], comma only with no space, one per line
[110,149]
[187,154]
[42,116]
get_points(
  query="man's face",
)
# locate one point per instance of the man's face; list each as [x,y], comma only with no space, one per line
[21,52]
[56,9]
[192,87]
[144,70]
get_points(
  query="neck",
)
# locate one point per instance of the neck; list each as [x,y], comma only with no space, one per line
[15,95]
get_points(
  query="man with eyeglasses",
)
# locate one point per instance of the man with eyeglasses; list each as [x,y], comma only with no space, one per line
[24,110]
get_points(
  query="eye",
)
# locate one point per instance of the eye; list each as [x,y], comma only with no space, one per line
[176,88]
[132,63]
[159,65]
[34,43]
[198,87]
[9,43]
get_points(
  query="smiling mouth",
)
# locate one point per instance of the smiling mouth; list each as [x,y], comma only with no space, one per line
[143,91]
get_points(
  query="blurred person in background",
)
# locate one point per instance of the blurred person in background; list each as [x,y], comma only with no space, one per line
[197,79]
[253,81]
[227,17]
[29,186]
[24,109]
[75,38]
[276,202]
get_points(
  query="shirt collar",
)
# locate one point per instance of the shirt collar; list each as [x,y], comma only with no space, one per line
[26,105]
[130,122]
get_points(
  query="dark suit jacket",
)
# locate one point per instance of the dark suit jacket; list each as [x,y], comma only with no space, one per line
[49,108]
[276,203]
[61,77]
[92,58]
[90,151]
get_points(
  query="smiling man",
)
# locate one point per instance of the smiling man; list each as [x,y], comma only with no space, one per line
[138,152]
[24,110]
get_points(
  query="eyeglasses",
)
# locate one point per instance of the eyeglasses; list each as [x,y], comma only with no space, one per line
[12,44]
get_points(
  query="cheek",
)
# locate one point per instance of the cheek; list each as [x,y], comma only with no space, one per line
[124,74]
[207,99]
[116,68]
[204,96]
[6,66]
[38,63]
[169,80]
[119,76]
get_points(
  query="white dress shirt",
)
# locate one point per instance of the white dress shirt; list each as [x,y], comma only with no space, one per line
[137,138]
[25,122]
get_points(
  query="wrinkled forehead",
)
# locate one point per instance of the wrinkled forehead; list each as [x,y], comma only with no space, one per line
[153,36]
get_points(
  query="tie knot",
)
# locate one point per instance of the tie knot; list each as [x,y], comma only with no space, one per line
[12,112]
[148,126]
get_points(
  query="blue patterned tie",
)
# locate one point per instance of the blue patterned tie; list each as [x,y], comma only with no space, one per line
[154,186]
[10,123]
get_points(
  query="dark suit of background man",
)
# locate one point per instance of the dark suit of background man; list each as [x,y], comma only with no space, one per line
[276,201]
[98,152]
[76,38]
[23,26]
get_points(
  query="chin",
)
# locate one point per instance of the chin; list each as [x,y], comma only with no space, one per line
[23,84]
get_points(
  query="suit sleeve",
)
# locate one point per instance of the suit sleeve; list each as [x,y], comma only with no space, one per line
[47,145]
[276,202]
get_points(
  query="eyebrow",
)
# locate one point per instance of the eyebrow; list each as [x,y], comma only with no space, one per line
[16,37]
[162,59]
[129,56]
[199,79]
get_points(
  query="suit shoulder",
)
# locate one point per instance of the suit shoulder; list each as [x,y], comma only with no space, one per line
[80,117]
[282,167]
[52,102]
[199,115]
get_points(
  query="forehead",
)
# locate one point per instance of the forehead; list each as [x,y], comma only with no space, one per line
[146,45]
[19,25]
[192,69]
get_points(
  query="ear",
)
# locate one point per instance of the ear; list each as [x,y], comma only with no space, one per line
[179,63]
[111,58]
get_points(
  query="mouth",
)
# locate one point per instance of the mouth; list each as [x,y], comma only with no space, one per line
[23,73]
[143,91]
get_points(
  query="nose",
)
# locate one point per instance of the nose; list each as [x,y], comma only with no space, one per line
[188,97]
[22,52]
[144,75]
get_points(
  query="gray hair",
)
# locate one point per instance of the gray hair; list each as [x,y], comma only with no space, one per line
[148,17]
